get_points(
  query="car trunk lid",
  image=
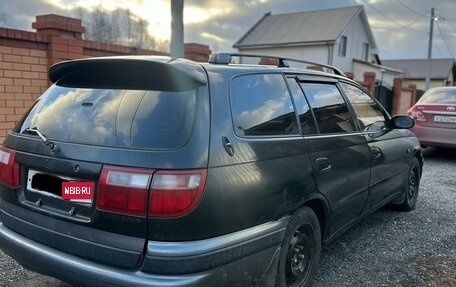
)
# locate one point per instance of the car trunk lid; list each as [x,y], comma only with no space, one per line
[435,115]
[96,127]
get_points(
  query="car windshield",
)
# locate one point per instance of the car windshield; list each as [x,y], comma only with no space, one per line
[113,117]
[446,96]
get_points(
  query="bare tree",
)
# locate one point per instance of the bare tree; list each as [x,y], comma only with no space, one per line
[99,26]
[120,27]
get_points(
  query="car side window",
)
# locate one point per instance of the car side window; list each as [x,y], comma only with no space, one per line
[329,107]
[371,117]
[261,106]
[306,119]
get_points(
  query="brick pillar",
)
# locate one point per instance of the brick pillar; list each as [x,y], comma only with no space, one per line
[268,62]
[197,52]
[397,91]
[64,36]
[412,88]
[350,75]
[315,68]
[369,81]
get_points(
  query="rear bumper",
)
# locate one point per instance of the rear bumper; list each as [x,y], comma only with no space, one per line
[230,260]
[433,136]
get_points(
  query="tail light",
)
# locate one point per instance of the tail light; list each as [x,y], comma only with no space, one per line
[142,192]
[416,114]
[176,193]
[9,168]
[124,190]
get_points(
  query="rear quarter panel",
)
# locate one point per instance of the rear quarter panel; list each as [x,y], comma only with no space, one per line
[264,180]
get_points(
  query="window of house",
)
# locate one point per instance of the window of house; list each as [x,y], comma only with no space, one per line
[261,106]
[365,55]
[343,46]
[371,117]
[329,107]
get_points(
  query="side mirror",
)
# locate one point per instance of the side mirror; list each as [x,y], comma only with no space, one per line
[403,122]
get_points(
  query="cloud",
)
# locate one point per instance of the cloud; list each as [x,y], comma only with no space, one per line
[219,23]
[21,13]
[241,15]
[402,29]
[213,37]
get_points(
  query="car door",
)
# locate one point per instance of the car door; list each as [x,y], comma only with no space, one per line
[338,152]
[390,153]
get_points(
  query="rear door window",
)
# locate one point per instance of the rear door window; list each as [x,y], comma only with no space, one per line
[114,117]
[261,106]
[306,119]
[329,107]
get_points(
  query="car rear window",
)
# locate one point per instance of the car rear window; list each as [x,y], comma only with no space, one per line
[114,117]
[439,97]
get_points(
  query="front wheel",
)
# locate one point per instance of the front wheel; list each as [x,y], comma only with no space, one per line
[411,186]
[300,250]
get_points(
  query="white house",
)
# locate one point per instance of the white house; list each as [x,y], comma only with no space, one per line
[340,37]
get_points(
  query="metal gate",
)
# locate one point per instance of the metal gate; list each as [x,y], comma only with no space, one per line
[384,94]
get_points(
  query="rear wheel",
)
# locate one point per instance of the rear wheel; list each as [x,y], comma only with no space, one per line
[411,186]
[300,250]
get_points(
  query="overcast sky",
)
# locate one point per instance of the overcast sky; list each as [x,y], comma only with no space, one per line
[401,27]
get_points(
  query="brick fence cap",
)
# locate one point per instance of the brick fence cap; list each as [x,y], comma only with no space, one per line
[58,18]
[53,21]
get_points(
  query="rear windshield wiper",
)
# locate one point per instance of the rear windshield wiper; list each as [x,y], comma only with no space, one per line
[48,143]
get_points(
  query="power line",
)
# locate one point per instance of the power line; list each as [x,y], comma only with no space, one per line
[379,11]
[444,38]
[399,24]
[444,18]
[413,22]
[439,52]
[407,26]
[443,33]
[397,29]
[409,8]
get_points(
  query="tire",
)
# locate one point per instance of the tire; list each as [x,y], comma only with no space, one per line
[411,186]
[300,250]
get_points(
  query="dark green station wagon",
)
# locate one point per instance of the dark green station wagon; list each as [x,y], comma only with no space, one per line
[197,174]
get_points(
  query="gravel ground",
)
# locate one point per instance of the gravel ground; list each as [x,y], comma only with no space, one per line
[392,248]
[388,248]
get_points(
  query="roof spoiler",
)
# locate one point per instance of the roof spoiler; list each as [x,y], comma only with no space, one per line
[225,59]
[141,73]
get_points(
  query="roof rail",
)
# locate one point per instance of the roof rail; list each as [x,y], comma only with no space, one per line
[225,59]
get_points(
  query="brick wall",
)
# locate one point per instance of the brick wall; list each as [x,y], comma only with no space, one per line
[404,98]
[23,77]
[25,58]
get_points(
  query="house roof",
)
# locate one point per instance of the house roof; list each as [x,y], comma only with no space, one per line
[417,68]
[307,27]
[388,69]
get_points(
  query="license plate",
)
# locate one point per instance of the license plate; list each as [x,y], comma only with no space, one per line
[61,187]
[445,119]
[45,183]
[78,191]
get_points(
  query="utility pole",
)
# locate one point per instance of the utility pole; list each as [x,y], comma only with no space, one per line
[428,75]
[177,28]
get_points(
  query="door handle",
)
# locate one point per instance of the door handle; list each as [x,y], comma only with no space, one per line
[323,164]
[376,153]
[228,146]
